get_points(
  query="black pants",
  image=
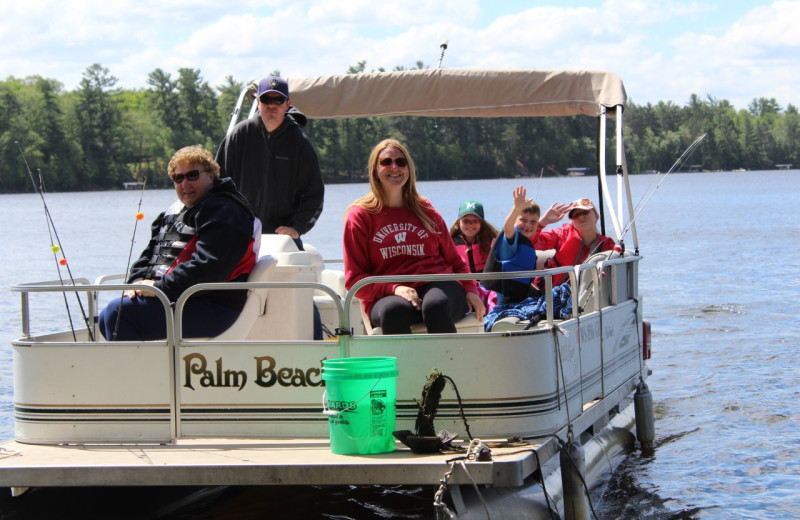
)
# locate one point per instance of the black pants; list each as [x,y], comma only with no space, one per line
[443,303]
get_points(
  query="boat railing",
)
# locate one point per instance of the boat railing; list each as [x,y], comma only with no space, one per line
[80,285]
[581,286]
[580,277]
[181,302]
[241,104]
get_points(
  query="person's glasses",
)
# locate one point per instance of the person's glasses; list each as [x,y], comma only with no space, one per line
[191,175]
[400,161]
[272,100]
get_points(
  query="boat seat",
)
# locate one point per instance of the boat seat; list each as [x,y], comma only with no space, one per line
[542,256]
[510,324]
[334,279]
[466,324]
[256,305]
[587,287]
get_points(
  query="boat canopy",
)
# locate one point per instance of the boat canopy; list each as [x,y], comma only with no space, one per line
[478,93]
[458,93]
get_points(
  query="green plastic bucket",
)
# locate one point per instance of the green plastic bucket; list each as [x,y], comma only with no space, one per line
[360,403]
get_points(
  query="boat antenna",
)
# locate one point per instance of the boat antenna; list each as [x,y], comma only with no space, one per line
[139,216]
[443,46]
[56,247]
[652,191]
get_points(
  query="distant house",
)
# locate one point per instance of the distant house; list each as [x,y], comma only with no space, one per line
[783,166]
[695,167]
[577,172]
[132,185]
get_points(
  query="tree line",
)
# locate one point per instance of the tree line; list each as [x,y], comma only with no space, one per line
[98,136]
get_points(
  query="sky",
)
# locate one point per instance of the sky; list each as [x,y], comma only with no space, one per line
[664,50]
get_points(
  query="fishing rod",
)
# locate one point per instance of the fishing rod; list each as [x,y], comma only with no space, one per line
[539,183]
[139,216]
[443,46]
[56,247]
[652,191]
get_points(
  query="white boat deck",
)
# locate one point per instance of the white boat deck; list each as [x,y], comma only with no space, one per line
[205,462]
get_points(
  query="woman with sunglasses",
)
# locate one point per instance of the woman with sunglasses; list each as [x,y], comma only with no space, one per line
[207,235]
[573,242]
[392,230]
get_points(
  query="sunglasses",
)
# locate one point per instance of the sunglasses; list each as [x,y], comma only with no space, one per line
[191,175]
[400,161]
[272,100]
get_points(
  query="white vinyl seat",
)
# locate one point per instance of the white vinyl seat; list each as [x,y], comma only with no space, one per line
[466,324]
[255,307]
[587,287]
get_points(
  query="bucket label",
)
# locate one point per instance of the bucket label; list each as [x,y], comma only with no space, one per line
[343,406]
[378,416]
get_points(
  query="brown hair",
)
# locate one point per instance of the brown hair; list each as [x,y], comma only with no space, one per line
[533,209]
[484,237]
[375,200]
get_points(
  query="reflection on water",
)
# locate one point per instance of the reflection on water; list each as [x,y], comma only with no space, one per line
[627,499]
[222,503]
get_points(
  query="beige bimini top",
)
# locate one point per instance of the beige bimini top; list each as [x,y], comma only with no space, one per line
[458,93]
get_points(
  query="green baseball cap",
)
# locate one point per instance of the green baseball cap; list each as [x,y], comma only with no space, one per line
[471,207]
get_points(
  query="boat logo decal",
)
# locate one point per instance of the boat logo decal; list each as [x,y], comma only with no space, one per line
[266,374]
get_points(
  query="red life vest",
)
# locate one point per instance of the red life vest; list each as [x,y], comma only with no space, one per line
[244,266]
[569,249]
[471,255]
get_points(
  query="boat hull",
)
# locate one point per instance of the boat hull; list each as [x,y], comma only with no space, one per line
[525,384]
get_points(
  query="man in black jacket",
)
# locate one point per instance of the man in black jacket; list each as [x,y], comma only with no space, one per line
[205,236]
[274,164]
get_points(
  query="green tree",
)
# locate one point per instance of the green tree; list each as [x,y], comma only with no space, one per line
[229,94]
[13,130]
[163,96]
[98,116]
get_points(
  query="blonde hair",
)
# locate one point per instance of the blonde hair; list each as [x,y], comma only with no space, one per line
[197,155]
[375,200]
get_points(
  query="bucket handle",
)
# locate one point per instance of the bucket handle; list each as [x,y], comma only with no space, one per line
[327,411]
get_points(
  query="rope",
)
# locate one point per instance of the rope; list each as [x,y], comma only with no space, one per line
[475,487]
[5,452]
[583,481]
[554,514]
[557,329]
[474,450]
[438,504]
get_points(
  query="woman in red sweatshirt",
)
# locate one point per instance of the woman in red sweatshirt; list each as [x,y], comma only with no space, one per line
[392,230]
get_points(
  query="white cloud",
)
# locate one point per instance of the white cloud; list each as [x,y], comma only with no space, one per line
[662,49]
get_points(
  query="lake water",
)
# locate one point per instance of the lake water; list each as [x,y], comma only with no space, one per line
[720,282]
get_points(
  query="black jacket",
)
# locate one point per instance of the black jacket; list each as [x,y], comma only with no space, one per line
[222,221]
[278,172]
